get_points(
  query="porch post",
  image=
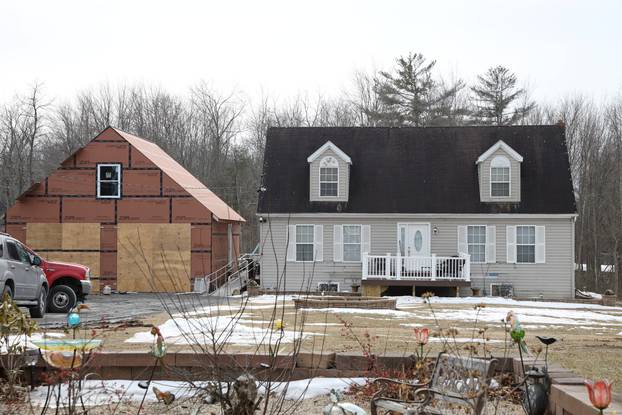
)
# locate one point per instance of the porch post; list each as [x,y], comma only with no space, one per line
[365,264]
[467,267]
[398,265]
[433,268]
[387,268]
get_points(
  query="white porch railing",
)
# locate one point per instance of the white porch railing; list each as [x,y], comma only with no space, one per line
[430,268]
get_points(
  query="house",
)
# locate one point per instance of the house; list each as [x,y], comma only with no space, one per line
[403,210]
[135,216]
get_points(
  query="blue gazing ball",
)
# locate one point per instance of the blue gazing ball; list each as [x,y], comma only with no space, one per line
[73,319]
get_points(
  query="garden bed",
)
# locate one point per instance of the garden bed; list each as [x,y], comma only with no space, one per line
[320,302]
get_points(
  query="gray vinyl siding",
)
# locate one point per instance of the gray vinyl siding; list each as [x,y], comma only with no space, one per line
[554,279]
[484,179]
[314,179]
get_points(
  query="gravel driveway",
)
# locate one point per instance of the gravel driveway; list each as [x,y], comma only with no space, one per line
[114,308]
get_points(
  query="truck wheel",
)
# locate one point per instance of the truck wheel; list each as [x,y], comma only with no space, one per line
[7,290]
[62,299]
[38,311]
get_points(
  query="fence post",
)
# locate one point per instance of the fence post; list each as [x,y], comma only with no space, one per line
[433,268]
[365,266]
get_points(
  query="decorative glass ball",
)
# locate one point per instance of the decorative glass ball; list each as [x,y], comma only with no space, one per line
[73,319]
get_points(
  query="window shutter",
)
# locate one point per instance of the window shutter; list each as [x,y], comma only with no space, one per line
[365,239]
[510,237]
[491,244]
[463,248]
[540,245]
[291,243]
[338,243]
[318,240]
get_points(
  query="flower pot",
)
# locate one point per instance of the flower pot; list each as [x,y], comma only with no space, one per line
[252,291]
[609,300]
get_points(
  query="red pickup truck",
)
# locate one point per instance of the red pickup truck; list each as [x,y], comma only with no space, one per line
[69,283]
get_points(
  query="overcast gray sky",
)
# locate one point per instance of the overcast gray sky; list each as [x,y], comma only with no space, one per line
[283,47]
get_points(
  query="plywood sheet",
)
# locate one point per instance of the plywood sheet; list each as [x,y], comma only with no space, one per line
[35,209]
[109,134]
[44,235]
[201,237]
[190,210]
[147,210]
[90,259]
[88,210]
[108,264]
[17,231]
[98,152]
[172,237]
[141,182]
[171,188]
[134,253]
[153,257]
[171,271]
[139,160]
[108,238]
[201,264]
[72,182]
[81,236]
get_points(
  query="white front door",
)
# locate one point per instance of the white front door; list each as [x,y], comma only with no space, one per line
[413,240]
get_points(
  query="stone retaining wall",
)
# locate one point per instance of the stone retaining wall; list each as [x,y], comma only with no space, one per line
[345,302]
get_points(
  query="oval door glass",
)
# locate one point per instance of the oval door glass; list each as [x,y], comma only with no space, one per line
[418,241]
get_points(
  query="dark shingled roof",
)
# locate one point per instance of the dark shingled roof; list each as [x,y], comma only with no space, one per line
[417,170]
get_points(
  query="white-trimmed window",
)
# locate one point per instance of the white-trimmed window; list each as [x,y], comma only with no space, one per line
[329,177]
[352,243]
[526,244]
[479,241]
[476,243]
[500,177]
[328,286]
[109,181]
[304,242]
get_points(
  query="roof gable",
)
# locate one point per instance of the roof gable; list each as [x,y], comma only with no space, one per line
[182,177]
[503,146]
[334,148]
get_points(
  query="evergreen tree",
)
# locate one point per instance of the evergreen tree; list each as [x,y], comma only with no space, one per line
[498,99]
[411,96]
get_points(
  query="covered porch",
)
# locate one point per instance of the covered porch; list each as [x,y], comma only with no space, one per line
[440,274]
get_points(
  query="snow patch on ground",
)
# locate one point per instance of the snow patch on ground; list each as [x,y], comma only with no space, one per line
[384,312]
[110,392]
[271,299]
[227,329]
[411,301]
[215,309]
[527,316]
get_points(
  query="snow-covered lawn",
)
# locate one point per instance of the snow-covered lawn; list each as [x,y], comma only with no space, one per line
[226,329]
[247,322]
[109,392]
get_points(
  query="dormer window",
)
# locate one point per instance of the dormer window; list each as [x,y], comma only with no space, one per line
[329,174]
[499,171]
[500,177]
[329,177]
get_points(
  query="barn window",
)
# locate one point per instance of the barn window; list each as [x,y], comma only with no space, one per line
[109,181]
